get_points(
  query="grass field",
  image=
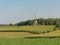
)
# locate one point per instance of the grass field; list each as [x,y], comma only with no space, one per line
[36,29]
[25,31]
[41,41]
[19,38]
[24,34]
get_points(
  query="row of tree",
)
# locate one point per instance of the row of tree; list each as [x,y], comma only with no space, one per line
[41,21]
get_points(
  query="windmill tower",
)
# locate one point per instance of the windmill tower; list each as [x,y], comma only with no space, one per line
[35,21]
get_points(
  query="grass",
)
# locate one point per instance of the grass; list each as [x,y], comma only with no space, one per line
[41,41]
[25,31]
[14,34]
[19,38]
[31,29]
[24,34]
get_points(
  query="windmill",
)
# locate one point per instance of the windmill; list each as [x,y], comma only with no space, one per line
[35,21]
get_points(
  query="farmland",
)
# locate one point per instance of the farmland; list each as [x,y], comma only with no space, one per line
[24,31]
[41,41]
[38,29]
[29,22]
[17,35]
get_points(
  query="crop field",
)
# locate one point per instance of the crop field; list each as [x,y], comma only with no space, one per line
[17,35]
[24,31]
[24,34]
[32,29]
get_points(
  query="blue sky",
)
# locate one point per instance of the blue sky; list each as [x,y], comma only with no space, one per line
[12,11]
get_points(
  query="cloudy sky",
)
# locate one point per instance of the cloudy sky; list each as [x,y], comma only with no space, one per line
[12,11]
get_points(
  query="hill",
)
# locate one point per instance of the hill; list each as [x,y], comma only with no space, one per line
[28,31]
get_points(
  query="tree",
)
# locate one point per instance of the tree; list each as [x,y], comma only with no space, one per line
[41,21]
[57,23]
[50,21]
[10,24]
[30,22]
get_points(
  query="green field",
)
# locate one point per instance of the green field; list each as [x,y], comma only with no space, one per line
[42,41]
[13,37]
[24,31]
[31,29]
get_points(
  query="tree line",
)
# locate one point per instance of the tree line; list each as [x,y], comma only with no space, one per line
[41,21]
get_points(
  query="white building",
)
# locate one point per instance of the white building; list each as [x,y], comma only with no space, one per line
[35,22]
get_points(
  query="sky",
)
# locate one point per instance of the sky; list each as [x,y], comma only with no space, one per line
[13,11]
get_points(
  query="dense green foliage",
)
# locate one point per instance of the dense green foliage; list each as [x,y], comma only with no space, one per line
[41,21]
[41,41]
[58,23]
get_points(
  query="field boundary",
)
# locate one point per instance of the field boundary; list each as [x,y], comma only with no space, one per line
[42,37]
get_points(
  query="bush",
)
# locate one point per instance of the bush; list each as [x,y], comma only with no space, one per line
[58,26]
[48,31]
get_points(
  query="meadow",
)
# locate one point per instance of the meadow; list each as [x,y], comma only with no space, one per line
[17,35]
[41,41]
[31,29]
[24,31]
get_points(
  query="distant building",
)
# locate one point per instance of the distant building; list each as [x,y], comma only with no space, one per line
[35,22]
